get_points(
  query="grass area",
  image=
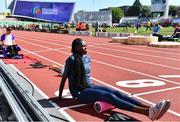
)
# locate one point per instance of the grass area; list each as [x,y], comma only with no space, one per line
[142,31]
[165,31]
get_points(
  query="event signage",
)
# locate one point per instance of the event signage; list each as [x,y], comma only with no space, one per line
[48,11]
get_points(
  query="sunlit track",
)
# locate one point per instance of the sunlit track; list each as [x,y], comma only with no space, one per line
[118,62]
[56,50]
[39,51]
[165,66]
[96,45]
[152,55]
[108,64]
[107,49]
[117,50]
[101,40]
[115,56]
[161,90]
[136,96]
[176,68]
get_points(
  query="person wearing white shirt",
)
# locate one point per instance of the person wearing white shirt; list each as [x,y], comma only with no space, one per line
[9,45]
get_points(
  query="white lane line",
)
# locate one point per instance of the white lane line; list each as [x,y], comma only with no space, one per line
[172,112]
[157,91]
[65,114]
[154,51]
[30,52]
[111,49]
[169,76]
[58,43]
[41,51]
[43,41]
[176,68]
[133,71]
[114,66]
[161,65]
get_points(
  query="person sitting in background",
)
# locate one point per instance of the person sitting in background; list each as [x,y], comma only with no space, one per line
[78,26]
[176,33]
[156,30]
[77,70]
[10,47]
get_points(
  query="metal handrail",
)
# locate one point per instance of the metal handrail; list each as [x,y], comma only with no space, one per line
[29,109]
[12,102]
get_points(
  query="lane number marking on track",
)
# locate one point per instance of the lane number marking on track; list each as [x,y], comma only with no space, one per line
[140,83]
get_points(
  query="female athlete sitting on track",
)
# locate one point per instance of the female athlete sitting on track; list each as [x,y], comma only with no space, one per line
[9,45]
[77,70]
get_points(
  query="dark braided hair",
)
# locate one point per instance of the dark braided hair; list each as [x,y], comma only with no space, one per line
[78,65]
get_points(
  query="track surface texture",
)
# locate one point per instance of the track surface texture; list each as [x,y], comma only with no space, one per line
[148,74]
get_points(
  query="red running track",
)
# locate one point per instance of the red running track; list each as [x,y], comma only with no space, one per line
[149,74]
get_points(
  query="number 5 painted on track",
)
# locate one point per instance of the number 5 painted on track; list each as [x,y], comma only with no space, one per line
[140,83]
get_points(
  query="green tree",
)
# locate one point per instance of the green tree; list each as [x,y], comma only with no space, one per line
[117,14]
[146,11]
[135,9]
[172,10]
[137,3]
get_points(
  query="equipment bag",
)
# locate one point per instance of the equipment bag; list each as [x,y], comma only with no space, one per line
[120,117]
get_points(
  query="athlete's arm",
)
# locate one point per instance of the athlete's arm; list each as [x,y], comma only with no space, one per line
[61,87]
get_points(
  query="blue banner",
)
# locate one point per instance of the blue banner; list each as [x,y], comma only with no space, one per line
[48,11]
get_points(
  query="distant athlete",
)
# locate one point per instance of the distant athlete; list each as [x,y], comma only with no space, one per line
[9,45]
[148,25]
[77,70]
[176,33]
[156,30]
